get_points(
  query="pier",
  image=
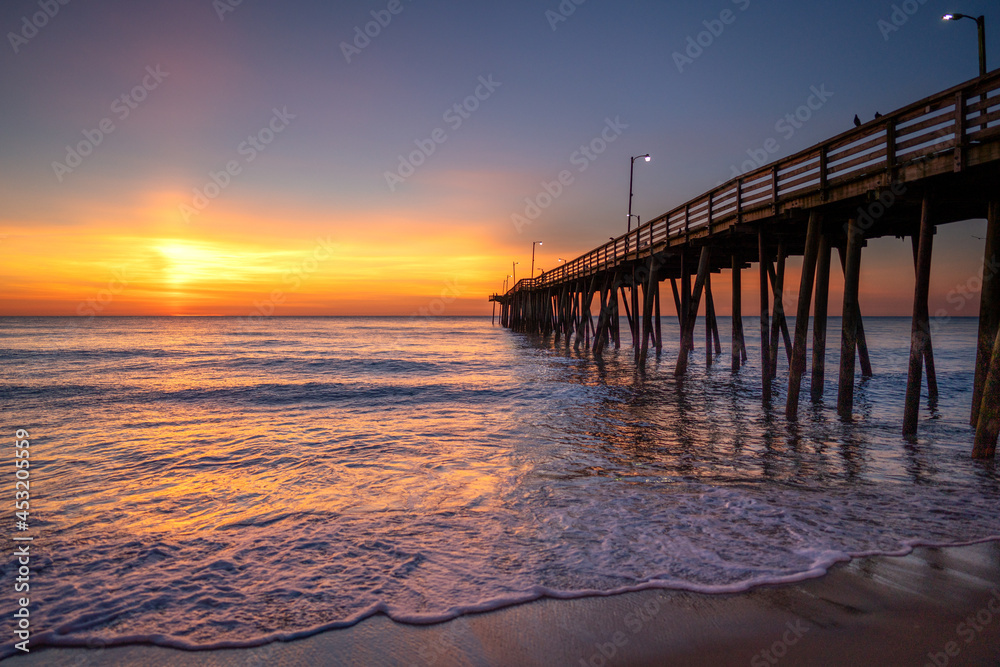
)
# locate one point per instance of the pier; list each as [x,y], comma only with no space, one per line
[930,163]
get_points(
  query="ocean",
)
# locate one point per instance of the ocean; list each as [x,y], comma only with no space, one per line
[208,482]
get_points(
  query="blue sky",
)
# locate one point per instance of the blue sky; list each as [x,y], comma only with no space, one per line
[558,84]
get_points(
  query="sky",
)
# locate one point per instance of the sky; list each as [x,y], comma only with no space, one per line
[245,157]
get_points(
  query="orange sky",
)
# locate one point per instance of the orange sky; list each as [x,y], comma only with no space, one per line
[310,225]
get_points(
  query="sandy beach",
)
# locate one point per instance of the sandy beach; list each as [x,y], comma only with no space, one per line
[933,607]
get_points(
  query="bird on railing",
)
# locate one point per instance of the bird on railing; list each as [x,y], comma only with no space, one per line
[857,121]
[877,115]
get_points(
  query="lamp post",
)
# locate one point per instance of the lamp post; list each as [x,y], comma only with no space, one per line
[631,175]
[513,270]
[533,257]
[981,24]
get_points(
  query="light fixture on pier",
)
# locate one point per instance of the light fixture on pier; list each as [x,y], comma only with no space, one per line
[533,257]
[631,174]
[981,25]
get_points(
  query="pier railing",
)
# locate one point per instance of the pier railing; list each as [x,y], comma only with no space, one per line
[950,121]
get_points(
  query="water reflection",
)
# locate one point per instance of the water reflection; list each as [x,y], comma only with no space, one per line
[711,424]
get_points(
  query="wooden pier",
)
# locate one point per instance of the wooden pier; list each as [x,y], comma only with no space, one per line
[930,163]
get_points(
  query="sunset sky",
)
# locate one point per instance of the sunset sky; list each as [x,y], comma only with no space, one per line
[194,157]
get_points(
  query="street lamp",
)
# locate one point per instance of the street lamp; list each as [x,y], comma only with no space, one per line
[533,257]
[631,174]
[513,270]
[981,24]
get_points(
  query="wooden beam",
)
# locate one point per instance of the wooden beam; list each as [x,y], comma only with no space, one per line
[657,328]
[820,316]
[637,325]
[765,319]
[686,303]
[777,276]
[988,427]
[737,328]
[692,313]
[647,311]
[989,306]
[677,303]
[708,320]
[797,368]
[849,332]
[861,339]
[920,331]
[714,321]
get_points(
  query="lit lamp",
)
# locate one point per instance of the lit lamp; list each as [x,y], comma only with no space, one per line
[631,174]
[533,257]
[981,24]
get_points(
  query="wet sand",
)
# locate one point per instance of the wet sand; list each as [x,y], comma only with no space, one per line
[934,607]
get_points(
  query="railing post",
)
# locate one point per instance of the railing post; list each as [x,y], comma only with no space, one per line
[774,189]
[823,176]
[711,196]
[959,130]
[739,200]
[890,149]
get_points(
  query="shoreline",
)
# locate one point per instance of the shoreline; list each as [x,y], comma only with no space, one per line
[935,606]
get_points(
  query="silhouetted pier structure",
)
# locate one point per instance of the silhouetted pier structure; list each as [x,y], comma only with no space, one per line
[930,163]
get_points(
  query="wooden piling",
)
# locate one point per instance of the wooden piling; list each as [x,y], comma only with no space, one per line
[647,311]
[989,306]
[637,323]
[861,339]
[692,313]
[656,323]
[820,317]
[765,319]
[849,332]
[677,303]
[686,304]
[713,321]
[708,320]
[988,427]
[920,324]
[737,328]
[779,323]
[797,368]
[628,311]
